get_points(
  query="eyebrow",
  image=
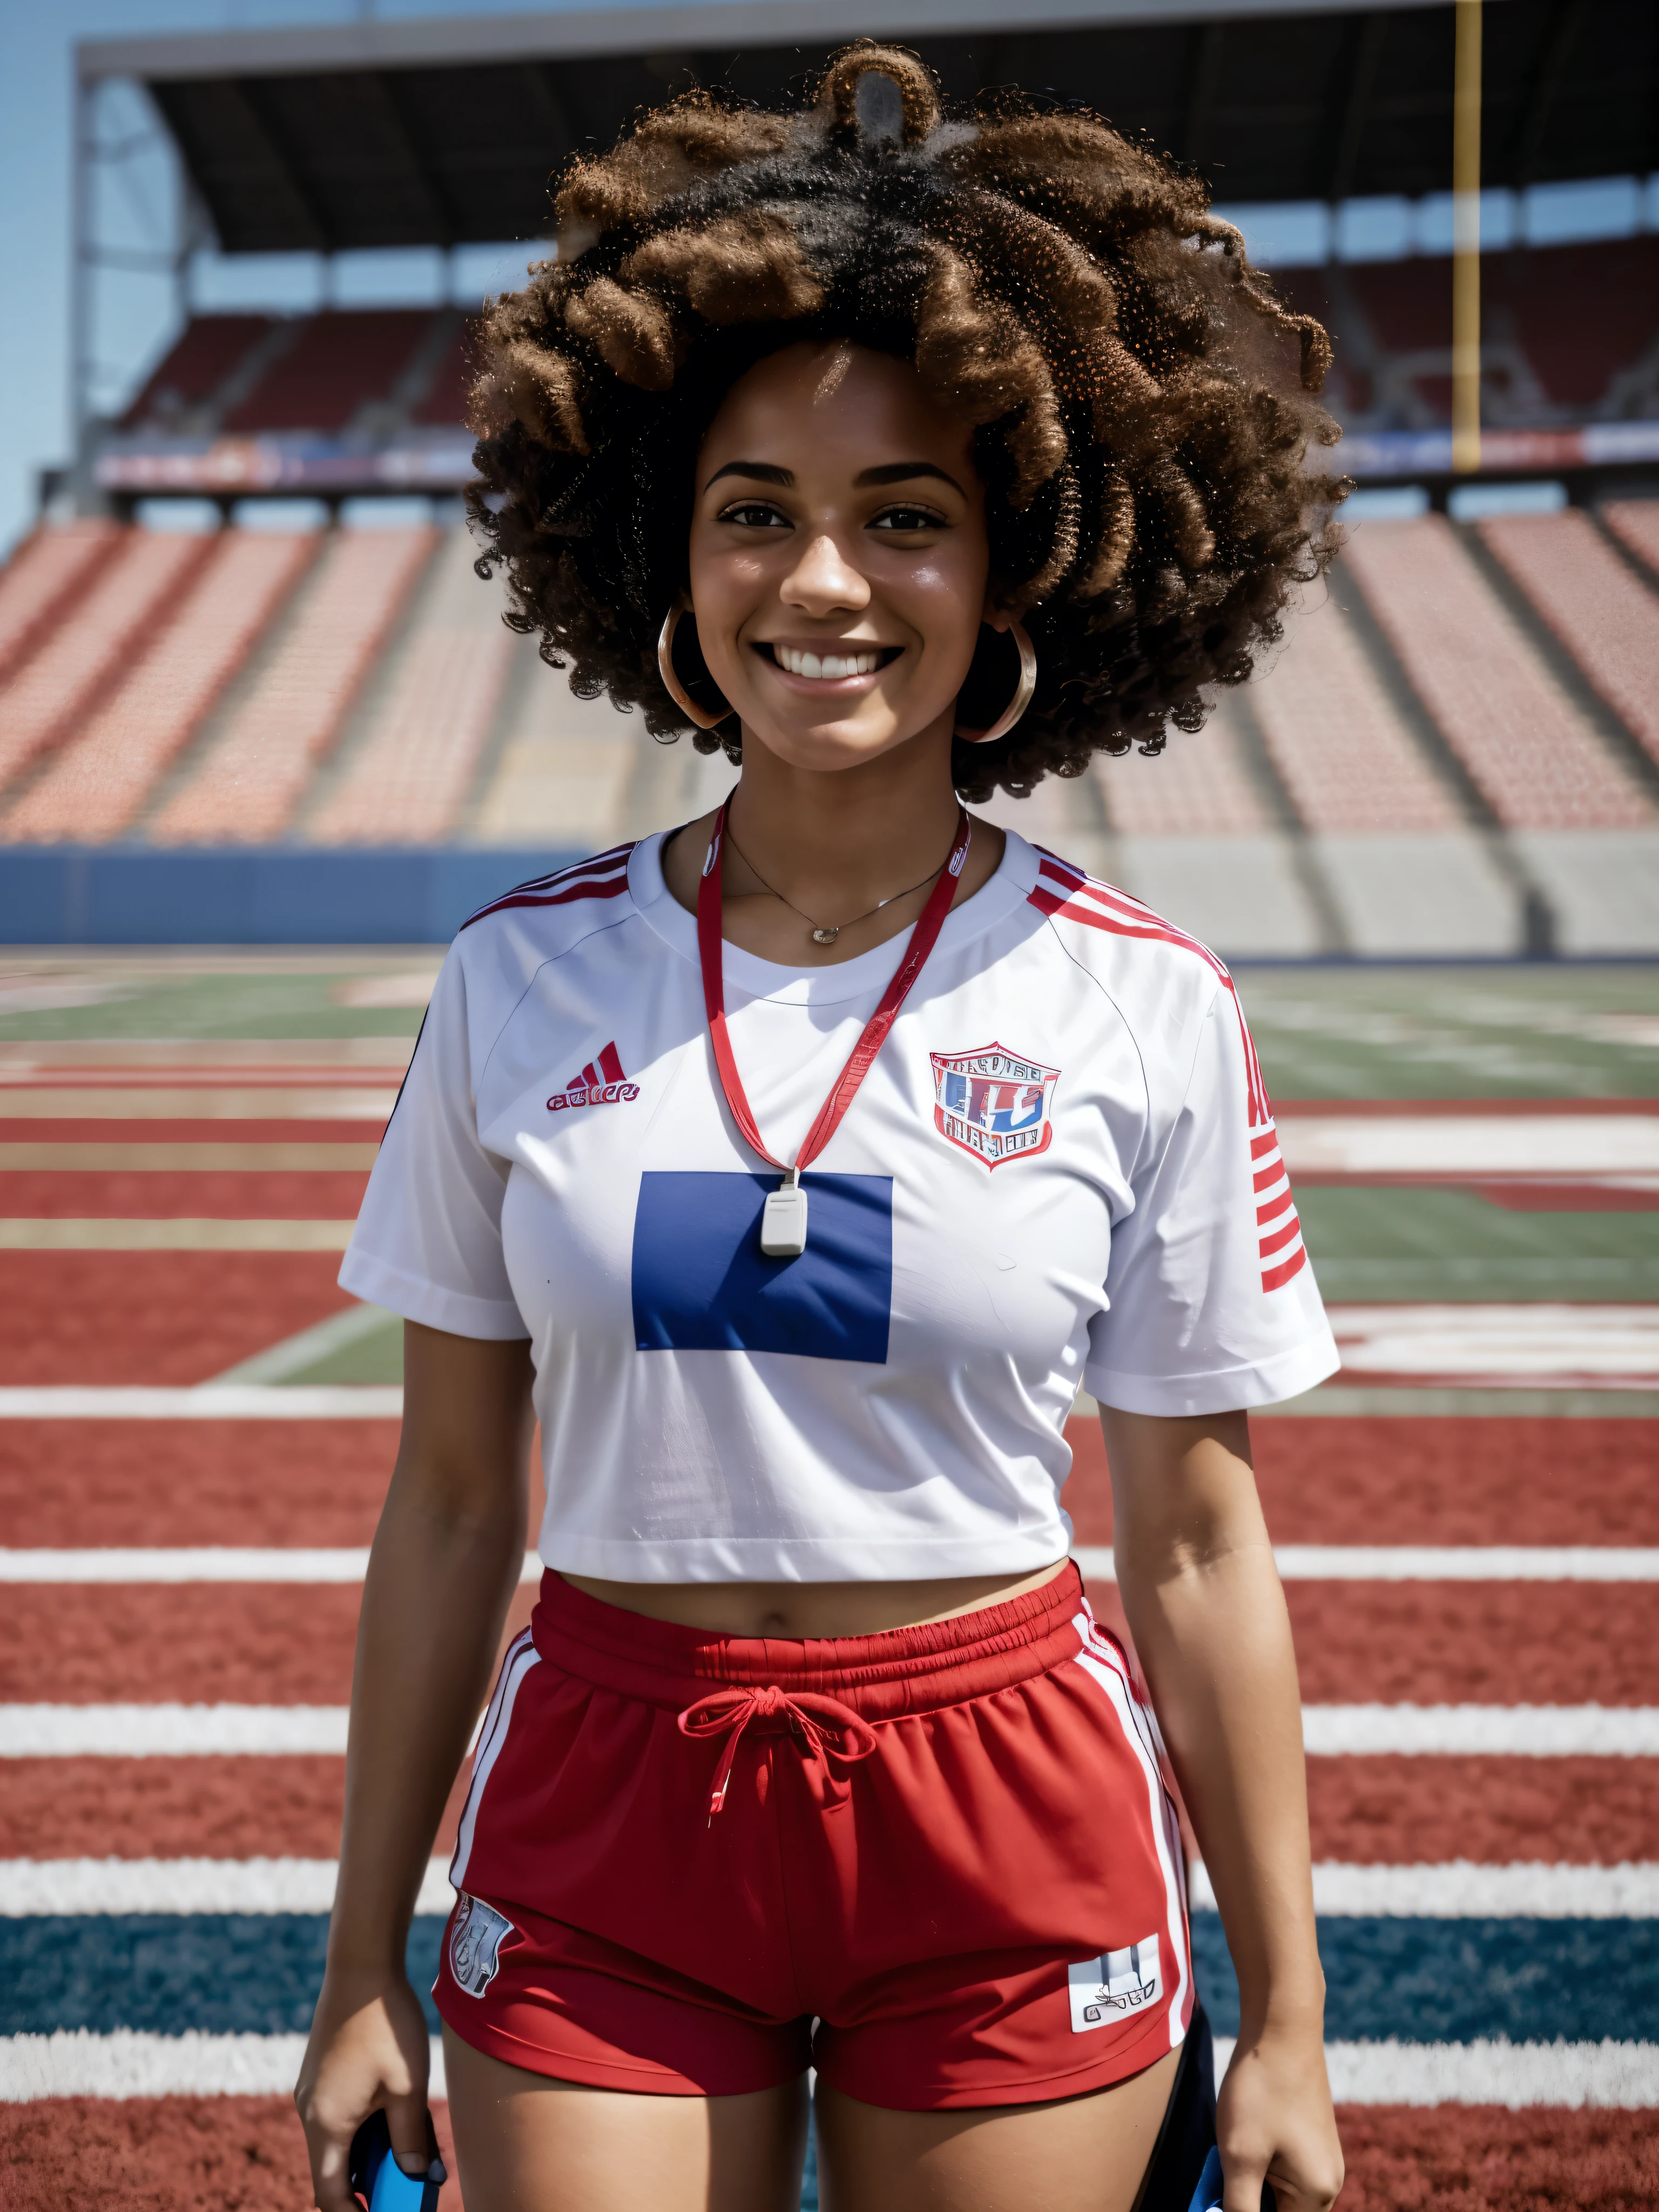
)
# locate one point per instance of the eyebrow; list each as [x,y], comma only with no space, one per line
[890,472]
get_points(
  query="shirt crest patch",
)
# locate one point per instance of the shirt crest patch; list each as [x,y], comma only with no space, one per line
[993,1102]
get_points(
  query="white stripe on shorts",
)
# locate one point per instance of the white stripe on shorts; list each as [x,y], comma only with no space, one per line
[1098,1659]
[521,1656]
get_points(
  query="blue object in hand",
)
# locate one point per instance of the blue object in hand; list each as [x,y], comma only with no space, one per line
[375,2176]
[1206,2198]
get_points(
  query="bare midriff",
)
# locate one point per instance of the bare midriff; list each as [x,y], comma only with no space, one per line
[794,1610]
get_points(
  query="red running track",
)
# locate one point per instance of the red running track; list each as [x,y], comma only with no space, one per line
[1581,1812]
[246,2154]
[204,1195]
[1410,1480]
[1324,1481]
[157,1317]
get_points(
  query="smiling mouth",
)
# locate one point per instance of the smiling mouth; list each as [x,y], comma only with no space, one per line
[831,667]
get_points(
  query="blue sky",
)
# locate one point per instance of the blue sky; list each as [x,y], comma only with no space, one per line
[37,40]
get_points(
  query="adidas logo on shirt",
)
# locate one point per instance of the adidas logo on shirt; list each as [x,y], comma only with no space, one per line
[599,1083]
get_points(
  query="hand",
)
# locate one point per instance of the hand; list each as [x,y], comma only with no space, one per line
[368,2050]
[1274,2122]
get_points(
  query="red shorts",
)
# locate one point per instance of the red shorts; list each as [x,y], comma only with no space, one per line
[944,1869]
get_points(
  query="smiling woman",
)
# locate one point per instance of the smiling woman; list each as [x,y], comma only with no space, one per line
[902,458]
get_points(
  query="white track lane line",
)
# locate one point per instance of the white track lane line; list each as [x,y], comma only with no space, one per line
[1459,1891]
[31,1887]
[209,1563]
[206,1401]
[133,2064]
[1438,1563]
[177,1731]
[206,1563]
[1463,1890]
[129,2063]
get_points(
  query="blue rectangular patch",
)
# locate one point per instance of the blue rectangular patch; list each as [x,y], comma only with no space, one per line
[702,1284]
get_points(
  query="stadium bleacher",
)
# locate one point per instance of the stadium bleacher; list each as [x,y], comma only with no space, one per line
[406,780]
[1399,777]
[196,368]
[1601,611]
[37,584]
[90,642]
[1533,758]
[254,770]
[96,784]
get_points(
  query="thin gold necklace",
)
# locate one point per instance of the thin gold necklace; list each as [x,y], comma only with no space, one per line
[824,932]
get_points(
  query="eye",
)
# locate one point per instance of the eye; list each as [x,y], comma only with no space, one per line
[909,518]
[755,514]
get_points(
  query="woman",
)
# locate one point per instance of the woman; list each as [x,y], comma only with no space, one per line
[795,1168]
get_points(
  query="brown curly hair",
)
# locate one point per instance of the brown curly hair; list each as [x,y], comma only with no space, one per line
[1139,426]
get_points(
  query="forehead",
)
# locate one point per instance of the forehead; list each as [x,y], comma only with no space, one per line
[814,405]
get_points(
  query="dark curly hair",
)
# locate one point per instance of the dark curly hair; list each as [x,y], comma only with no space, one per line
[1139,426]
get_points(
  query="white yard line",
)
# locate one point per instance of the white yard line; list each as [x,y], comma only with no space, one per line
[138,1234]
[210,1563]
[1461,1890]
[177,1731]
[1468,1731]
[1607,2076]
[133,2064]
[31,1887]
[1561,1147]
[205,1401]
[1438,1563]
[1523,1343]
[129,2063]
[206,1563]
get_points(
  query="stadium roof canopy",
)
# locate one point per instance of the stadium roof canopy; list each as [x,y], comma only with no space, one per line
[445,131]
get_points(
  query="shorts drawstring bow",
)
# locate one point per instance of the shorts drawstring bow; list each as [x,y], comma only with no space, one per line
[837,1733]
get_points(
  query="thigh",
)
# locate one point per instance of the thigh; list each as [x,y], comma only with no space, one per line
[1082,2154]
[527,2143]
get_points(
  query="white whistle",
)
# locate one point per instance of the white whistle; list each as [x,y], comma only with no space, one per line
[783,1219]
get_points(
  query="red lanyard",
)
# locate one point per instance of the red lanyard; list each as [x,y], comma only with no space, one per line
[710,947]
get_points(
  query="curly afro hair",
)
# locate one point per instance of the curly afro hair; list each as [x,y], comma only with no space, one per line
[1138,395]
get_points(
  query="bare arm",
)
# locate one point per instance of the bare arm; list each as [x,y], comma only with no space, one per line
[445,1562]
[1204,1604]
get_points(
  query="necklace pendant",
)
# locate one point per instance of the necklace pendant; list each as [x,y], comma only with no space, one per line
[825,936]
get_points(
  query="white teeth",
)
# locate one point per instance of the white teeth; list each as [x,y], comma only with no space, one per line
[825,666]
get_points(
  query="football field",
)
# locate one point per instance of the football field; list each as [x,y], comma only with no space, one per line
[197,1427]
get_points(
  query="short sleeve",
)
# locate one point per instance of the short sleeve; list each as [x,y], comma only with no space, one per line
[428,1243]
[1212,1301]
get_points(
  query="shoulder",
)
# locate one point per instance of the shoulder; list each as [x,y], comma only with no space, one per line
[1165,984]
[1131,950]
[498,952]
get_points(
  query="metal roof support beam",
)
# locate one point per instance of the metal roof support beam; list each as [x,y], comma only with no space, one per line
[278,149]
[1201,91]
[1366,49]
[447,226]
[1553,50]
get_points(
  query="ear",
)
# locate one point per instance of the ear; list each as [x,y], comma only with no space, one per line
[994,615]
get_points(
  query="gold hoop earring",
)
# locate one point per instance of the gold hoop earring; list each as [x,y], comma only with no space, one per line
[1023,693]
[671,683]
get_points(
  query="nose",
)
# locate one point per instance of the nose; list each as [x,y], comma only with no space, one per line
[824,581]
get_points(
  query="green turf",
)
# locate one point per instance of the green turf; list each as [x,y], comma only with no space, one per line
[1430,1245]
[195,1004]
[1534,1032]
[378,1358]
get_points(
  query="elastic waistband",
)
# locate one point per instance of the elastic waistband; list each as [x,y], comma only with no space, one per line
[904,1670]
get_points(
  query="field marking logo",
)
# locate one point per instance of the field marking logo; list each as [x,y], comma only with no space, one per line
[1113,1986]
[475,1935]
[994,1103]
[601,1083]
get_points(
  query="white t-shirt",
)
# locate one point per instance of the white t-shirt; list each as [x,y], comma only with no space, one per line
[1061,1169]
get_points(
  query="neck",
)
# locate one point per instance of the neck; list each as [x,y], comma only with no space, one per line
[848,837]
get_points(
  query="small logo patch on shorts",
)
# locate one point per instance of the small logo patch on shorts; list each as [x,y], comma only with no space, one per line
[474,1944]
[1113,1986]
